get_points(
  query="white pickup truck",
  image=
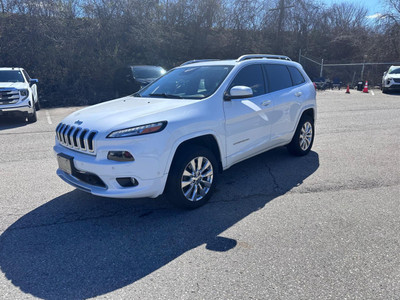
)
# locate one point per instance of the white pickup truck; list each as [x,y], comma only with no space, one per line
[179,132]
[18,94]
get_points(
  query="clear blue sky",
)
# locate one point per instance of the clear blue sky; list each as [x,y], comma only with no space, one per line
[373,6]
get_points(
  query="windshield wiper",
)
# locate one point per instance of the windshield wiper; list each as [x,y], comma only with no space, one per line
[164,95]
[136,95]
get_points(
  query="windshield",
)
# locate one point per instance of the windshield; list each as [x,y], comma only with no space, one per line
[395,71]
[147,72]
[11,76]
[188,82]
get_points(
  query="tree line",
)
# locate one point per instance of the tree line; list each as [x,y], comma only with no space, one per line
[75,46]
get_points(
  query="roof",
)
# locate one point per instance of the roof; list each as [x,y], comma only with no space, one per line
[233,62]
[10,69]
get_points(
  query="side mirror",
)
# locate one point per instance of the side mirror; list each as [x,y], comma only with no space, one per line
[33,81]
[239,92]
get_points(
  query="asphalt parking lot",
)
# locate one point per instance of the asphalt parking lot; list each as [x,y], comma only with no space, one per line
[324,226]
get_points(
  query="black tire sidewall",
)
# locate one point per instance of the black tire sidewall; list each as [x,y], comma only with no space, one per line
[173,187]
[32,118]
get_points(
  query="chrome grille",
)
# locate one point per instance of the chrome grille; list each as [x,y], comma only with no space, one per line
[9,95]
[76,138]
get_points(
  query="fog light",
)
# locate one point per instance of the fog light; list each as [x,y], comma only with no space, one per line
[120,156]
[127,181]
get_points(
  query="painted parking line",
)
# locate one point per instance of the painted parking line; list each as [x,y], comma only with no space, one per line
[48,117]
[372,92]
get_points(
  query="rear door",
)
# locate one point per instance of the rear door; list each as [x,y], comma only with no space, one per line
[286,98]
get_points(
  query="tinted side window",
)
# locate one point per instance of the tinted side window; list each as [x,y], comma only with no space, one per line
[297,77]
[278,77]
[251,76]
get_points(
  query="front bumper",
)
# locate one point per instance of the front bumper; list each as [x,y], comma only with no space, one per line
[394,87]
[392,84]
[150,183]
[22,107]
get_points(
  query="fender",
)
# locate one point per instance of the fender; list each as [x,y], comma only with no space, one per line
[193,135]
[306,107]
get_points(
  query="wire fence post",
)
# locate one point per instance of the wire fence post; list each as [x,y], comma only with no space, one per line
[362,72]
[322,68]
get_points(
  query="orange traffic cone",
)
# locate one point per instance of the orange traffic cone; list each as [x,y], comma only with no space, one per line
[365,90]
[348,90]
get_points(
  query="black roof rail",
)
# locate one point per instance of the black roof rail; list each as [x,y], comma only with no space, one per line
[267,56]
[193,61]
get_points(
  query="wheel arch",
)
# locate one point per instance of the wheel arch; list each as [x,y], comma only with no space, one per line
[208,141]
[309,112]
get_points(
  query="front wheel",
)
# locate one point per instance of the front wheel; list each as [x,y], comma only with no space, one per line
[303,138]
[32,118]
[191,180]
[37,104]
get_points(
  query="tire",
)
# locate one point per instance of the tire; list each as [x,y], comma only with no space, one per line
[37,105]
[303,138]
[187,187]
[384,90]
[32,118]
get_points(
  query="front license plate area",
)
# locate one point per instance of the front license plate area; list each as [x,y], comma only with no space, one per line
[65,163]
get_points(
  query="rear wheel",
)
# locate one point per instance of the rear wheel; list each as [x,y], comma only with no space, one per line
[303,138]
[191,180]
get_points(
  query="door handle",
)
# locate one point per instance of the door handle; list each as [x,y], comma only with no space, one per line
[266,103]
[298,94]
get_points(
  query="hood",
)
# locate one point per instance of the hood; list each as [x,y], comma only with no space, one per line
[125,112]
[393,75]
[145,80]
[17,85]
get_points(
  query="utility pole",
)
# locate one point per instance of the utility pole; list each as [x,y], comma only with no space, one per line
[281,18]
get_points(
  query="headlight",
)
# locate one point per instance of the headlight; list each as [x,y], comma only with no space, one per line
[389,78]
[138,130]
[24,93]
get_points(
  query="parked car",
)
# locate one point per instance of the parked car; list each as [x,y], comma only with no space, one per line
[131,79]
[177,134]
[391,79]
[18,94]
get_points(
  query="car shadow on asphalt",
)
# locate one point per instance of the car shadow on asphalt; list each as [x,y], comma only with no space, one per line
[8,122]
[81,246]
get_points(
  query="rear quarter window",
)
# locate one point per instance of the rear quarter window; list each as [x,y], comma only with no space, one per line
[297,77]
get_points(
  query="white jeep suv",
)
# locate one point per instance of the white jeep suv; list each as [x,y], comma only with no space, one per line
[391,79]
[18,93]
[179,132]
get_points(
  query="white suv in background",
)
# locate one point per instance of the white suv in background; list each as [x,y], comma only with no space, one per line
[18,93]
[391,79]
[179,132]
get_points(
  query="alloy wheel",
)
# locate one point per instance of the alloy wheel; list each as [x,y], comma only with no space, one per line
[197,178]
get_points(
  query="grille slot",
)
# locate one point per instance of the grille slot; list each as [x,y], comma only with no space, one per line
[76,138]
[90,141]
[9,95]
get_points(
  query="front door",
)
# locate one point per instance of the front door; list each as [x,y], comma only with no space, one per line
[247,121]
